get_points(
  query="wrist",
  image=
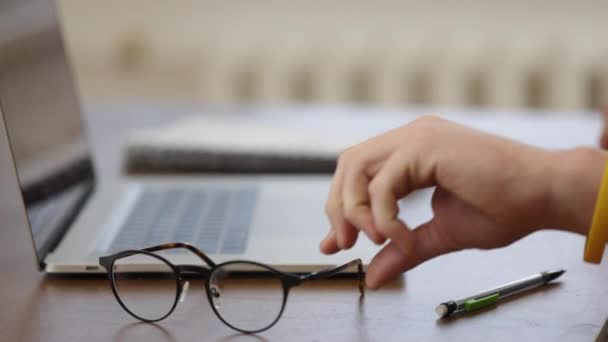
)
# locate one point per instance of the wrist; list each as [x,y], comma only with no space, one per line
[574,182]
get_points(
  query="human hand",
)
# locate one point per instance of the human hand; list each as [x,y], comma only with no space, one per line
[490,191]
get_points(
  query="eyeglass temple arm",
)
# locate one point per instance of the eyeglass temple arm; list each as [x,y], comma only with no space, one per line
[187,246]
[335,270]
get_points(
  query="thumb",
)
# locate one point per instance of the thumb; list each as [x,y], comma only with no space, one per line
[392,260]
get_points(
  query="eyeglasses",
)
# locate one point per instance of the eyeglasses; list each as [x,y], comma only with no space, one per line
[149,287]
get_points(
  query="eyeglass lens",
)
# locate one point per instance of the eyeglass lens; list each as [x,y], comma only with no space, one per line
[247,302]
[148,295]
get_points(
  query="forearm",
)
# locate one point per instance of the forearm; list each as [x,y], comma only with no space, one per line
[573,182]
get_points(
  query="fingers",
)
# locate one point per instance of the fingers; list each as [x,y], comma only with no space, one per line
[356,203]
[401,174]
[385,266]
[359,162]
[367,185]
[345,234]
[392,261]
[329,245]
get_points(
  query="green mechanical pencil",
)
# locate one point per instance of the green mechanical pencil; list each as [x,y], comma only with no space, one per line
[490,297]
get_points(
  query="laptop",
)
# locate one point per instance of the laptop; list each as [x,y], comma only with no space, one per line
[75,216]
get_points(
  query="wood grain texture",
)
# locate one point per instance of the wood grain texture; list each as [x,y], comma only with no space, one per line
[35,307]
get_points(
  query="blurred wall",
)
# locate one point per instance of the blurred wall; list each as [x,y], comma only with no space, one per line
[507,54]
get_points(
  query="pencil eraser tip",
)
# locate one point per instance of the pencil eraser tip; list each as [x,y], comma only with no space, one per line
[441,310]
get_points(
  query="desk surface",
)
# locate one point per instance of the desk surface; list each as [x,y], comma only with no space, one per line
[36,307]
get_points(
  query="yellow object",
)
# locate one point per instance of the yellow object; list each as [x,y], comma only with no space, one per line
[598,233]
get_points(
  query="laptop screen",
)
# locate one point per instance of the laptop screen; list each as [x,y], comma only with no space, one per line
[41,114]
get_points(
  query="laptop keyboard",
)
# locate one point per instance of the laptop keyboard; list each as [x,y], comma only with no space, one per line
[217,220]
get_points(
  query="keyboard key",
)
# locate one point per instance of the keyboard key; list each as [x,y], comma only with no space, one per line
[217,220]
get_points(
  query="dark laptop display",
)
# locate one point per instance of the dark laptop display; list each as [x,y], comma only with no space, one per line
[41,113]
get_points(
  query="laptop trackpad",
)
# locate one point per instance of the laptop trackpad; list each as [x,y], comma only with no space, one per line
[300,211]
[288,211]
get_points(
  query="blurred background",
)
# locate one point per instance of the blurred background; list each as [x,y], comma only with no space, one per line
[477,53]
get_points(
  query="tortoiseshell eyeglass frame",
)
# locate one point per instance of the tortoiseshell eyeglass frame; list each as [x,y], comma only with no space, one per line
[287,279]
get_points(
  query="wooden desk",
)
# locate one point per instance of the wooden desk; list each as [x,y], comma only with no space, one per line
[35,307]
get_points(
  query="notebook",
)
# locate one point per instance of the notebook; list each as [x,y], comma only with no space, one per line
[202,143]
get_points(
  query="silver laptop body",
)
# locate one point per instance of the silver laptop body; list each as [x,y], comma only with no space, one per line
[75,217]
